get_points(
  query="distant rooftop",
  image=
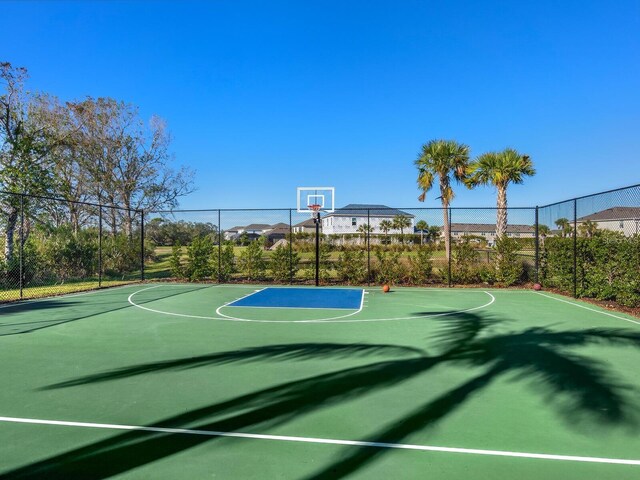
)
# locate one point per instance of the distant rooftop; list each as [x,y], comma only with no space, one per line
[364,208]
[614,213]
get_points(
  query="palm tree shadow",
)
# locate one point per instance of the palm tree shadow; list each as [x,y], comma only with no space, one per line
[540,356]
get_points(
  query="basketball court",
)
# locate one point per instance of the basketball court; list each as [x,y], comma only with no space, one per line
[251,381]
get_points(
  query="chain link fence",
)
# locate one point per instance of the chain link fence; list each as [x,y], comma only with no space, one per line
[585,247]
[50,246]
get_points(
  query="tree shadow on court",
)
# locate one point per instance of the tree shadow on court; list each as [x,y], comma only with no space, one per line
[579,387]
[22,317]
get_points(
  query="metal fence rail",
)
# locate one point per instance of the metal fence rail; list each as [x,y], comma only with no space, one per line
[51,246]
[587,246]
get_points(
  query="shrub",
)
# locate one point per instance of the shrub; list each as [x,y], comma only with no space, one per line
[282,265]
[509,268]
[198,265]
[421,265]
[250,261]
[352,266]
[225,267]
[463,262]
[324,268]
[175,261]
[389,268]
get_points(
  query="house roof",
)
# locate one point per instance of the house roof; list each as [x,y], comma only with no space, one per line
[258,226]
[490,227]
[280,225]
[234,229]
[278,231]
[361,209]
[614,213]
[309,222]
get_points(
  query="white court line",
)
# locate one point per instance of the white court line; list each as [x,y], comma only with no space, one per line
[340,319]
[590,309]
[326,441]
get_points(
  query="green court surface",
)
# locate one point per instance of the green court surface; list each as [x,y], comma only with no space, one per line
[167,381]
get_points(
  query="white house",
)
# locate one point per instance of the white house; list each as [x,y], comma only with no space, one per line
[308,226]
[625,220]
[346,220]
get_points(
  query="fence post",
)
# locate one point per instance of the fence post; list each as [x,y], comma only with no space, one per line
[316,217]
[368,247]
[537,247]
[142,245]
[290,247]
[219,248]
[575,248]
[450,251]
[100,246]
[21,250]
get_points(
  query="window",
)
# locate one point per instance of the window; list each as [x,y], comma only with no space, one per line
[353,221]
[621,224]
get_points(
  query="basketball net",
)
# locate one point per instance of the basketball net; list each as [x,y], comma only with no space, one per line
[315,212]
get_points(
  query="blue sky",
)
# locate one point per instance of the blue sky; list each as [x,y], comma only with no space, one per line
[262,97]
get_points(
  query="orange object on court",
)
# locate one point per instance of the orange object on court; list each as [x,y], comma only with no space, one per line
[385,288]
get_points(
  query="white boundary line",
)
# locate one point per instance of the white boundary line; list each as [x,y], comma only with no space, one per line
[323,320]
[587,308]
[326,441]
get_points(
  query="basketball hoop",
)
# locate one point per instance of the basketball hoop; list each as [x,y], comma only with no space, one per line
[315,211]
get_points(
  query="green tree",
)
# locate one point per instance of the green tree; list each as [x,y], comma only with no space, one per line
[352,266]
[365,229]
[225,266]
[421,226]
[588,228]
[250,261]
[565,227]
[282,265]
[175,261]
[443,159]
[385,226]
[198,265]
[400,222]
[500,169]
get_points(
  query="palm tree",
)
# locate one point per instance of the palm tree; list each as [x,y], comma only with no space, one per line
[400,222]
[543,231]
[365,229]
[564,225]
[588,228]
[433,232]
[385,226]
[500,169]
[421,226]
[442,158]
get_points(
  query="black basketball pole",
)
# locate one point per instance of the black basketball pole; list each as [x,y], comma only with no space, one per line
[317,222]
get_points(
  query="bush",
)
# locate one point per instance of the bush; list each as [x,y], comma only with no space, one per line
[282,265]
[463,262]
[198,265]
[324,268]
[352,266]
[175,262]
[250,261]
[421,265]
[509,268]
[608,266]
[226,267]
[388,269]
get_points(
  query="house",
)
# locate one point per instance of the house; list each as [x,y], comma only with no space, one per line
[233,232]
[277,233]
[488,231]
[625,220]
[348,219]
[308,226]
